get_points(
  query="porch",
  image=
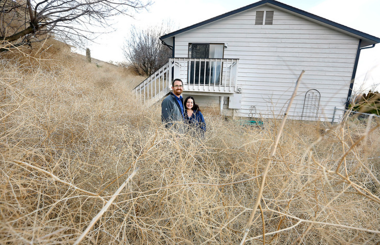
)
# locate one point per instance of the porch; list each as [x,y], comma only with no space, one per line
[212,76]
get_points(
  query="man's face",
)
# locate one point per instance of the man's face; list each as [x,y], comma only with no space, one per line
[177,88]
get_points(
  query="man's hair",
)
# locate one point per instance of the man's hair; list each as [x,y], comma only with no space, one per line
[177,79]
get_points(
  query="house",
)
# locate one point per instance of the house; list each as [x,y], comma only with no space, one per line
[247,61]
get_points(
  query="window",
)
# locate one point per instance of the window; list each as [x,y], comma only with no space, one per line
[259,17]
[205,50]
[267,15]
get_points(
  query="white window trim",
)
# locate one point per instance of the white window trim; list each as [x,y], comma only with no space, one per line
[264,17]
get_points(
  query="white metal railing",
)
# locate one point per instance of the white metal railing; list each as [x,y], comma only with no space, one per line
[207,75]
[155,85]
[198,75]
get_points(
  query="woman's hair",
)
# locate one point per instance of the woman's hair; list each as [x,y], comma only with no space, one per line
[195,106]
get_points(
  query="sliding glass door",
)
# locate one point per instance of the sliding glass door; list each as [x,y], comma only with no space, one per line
[206,70]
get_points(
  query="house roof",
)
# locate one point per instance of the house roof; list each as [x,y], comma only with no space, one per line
[368,39]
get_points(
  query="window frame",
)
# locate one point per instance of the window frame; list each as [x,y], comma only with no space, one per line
[190,45]
[192,64]
[264,20]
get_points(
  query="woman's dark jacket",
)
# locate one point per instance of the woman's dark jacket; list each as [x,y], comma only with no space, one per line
[196,121]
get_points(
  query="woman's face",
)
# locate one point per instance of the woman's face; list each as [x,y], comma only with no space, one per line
[189,104]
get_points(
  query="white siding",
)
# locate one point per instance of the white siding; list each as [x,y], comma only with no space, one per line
[204,101]
[273,56]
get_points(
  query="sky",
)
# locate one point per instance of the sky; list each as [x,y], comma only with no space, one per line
[362,15]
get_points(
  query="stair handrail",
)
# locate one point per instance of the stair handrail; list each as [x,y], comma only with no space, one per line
[160,70]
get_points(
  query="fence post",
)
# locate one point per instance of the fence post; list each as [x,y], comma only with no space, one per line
[333,118]
[144,91]
[155,86]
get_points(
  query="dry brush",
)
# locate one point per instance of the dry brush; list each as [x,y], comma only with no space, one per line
[68,141]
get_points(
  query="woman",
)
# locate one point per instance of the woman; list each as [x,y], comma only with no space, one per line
[193,116]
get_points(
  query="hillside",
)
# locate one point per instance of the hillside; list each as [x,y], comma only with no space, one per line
[72,134]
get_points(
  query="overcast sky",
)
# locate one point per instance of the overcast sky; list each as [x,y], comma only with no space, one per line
[362,15]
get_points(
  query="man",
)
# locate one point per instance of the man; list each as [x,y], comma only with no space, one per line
[172,106]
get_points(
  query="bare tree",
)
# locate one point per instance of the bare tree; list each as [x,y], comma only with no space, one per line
[26,21]
[144,50]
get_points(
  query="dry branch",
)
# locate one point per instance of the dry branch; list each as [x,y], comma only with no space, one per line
[272,154]
[105,208]
[57,179]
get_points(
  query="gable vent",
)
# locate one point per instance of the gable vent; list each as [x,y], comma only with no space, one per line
[267,15]
[259,17]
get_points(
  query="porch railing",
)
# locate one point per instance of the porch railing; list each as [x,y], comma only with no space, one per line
[198,75]
[207,75]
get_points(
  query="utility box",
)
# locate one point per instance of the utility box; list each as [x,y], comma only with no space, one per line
[235,101]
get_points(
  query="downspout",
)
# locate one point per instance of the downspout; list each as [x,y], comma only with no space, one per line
[173,48]
[353,75]
[354,72]
[173,55]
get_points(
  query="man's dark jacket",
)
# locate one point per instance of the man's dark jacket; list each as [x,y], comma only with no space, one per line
[171,111]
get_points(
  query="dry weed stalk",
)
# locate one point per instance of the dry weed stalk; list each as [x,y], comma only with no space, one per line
[58,179]
[104,209]
[80,132]
[272,154]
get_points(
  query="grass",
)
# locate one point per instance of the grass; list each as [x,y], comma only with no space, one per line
[72,133]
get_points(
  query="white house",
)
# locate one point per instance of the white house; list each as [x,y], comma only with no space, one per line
[248,60]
